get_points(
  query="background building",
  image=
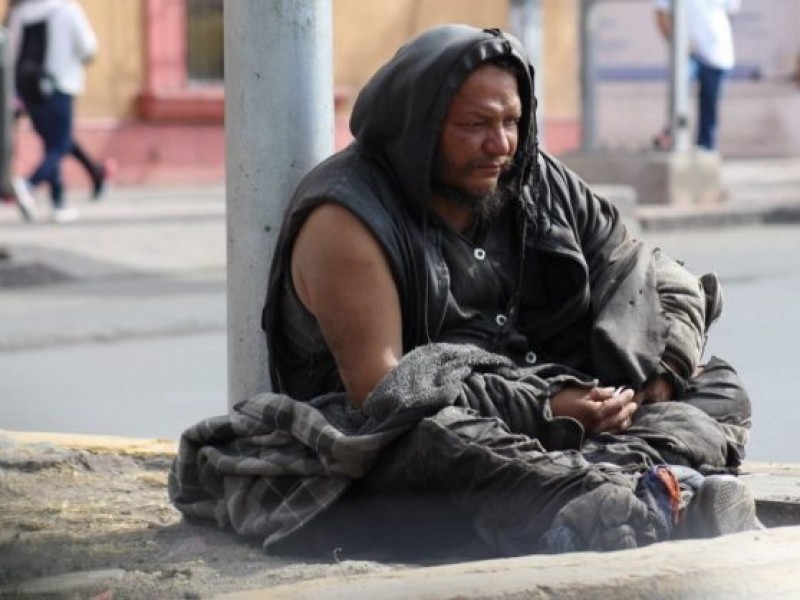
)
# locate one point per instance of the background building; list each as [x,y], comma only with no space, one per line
[761,102]
[155,99]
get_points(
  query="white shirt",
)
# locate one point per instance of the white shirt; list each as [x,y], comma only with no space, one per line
[71,41]
[710,33]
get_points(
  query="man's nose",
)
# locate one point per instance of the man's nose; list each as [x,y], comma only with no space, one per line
[498,141]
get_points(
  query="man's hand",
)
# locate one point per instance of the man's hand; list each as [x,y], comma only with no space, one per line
[598,410]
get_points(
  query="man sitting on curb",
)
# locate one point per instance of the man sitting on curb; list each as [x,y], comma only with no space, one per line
[469,348]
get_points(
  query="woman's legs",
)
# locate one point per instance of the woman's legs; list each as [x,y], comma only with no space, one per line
[52,120]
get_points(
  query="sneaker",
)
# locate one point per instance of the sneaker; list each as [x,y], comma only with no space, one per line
[24,196]
[723,504]
[65,215]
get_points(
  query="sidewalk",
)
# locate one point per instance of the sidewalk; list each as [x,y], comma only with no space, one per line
[135,250]
[759,191]
[88,517]
[132,231]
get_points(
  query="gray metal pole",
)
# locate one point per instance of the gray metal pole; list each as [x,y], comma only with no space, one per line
[679,77]
[525,22]
[279,123]
[588,91]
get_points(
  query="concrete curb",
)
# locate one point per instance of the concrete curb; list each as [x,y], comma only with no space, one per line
[99,444]
[657,218]
[741,566]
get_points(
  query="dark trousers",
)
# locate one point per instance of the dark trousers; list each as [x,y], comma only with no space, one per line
[52,121]
[710,83]
[462,485]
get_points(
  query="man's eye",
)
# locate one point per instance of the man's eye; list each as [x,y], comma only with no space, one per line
[511,122]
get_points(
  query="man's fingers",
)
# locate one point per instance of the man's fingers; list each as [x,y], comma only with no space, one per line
[599,394]
[623,397]
[617,412]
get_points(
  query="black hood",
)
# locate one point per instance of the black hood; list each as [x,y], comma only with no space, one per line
[398,115]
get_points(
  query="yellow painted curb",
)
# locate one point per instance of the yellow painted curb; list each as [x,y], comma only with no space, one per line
[95,443]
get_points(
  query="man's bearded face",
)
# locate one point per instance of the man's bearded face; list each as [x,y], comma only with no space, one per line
[478,140]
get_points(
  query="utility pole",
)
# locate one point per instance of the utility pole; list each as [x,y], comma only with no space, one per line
[587,71]
[6,118]
[679,77]
[279,123]
[525,22]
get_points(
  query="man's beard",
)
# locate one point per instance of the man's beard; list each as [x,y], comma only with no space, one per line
[484,205]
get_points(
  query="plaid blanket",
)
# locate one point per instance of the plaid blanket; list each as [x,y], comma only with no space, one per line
[275,463]
[272,465]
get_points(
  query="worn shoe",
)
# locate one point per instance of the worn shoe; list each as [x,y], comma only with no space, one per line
[723,504]
[65,215]
[24,196]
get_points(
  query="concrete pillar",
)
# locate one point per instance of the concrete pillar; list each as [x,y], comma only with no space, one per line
[679,77]
[588,88]
[6,117]
[525,22]
[279,123]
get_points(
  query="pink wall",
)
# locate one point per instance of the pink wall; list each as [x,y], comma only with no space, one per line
[177,134]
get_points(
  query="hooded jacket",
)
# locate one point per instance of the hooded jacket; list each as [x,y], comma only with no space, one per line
[585,294]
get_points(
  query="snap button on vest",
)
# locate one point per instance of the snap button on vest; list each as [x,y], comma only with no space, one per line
[500,319]
[530,358]
[480,253]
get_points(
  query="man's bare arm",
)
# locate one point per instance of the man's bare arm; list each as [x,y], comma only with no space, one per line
[342,277]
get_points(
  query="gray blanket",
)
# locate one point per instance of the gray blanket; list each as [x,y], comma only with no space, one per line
[275,464]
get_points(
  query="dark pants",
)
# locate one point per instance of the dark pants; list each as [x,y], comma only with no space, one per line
[463,486]
[710,82]
[52,121]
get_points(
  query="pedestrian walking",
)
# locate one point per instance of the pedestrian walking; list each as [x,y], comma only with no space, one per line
[711,59]
[50,42]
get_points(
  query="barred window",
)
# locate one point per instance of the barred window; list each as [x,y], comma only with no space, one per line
[205,41]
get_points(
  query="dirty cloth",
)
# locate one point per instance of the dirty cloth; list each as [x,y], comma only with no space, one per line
[454,422]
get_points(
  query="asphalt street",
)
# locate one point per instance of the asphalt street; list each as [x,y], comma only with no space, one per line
[757,334]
